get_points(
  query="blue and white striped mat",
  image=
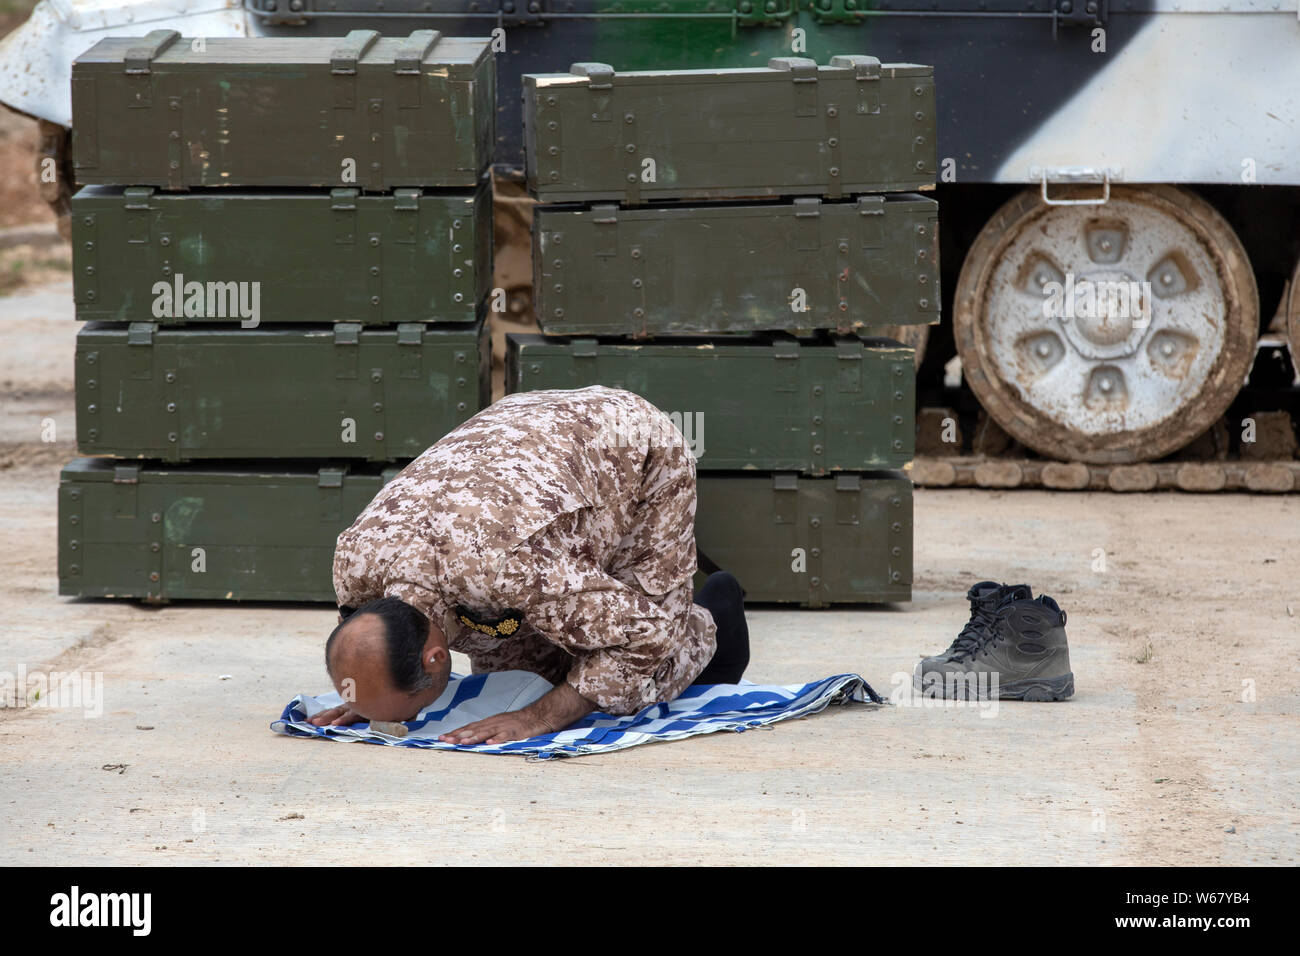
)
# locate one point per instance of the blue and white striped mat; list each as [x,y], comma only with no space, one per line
[701,709]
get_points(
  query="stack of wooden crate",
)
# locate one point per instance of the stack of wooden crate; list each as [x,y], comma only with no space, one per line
[283,256]
[730,244]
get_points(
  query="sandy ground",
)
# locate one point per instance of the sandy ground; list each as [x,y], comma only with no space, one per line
[20,200]
[1181,745]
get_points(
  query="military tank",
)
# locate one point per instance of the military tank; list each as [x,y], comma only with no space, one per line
[1119,194]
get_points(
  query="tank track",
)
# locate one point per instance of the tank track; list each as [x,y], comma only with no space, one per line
[976,471]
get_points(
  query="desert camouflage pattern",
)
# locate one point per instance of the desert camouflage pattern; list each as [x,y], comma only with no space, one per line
[576,508]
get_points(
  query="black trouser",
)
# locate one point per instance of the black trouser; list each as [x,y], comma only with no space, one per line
[722,596]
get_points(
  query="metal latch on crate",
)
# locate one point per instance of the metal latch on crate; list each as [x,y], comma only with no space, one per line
[807,215]
[139,58]
[343,204]
[343,65]
[141,333]
[138,64]
[785,506]
[330,482]
[600,76]
[803,74]
[605,217]
[410,333]
[410,55]
[847,488]
[864,67]
[344,57]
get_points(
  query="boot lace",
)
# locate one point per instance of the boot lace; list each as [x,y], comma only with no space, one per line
[976,632]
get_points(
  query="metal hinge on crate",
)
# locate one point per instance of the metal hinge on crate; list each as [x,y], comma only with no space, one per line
[849,352]
[864,67]
[406,199]
[141,333]
[801,68]
[139,58]
[330,477]
[605,240]
[330,482]
[412,51]
[343,203]
[410,333]
[346,359]
[871,221]
[785,506]
[600,76]
[807,217]
[847,488]
[343,65]
[126,496]
[408,62]
[136,205]
[785,371]
[803,74]
[347,333]
[138,64]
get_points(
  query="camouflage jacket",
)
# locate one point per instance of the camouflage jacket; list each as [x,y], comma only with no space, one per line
[575,509]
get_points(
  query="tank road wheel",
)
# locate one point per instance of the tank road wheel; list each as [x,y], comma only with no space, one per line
[1111,333]
[1293,317]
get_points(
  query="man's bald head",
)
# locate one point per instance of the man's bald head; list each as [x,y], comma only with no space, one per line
[388,660]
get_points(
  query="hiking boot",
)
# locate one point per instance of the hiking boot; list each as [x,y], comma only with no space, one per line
[985,599]
[1023,656]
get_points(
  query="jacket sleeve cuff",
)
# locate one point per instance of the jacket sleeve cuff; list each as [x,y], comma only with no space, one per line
[612,691]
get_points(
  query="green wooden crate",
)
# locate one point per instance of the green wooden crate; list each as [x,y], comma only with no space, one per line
[276,392]
[235,531]
[806,264]
[790,128]
[759,402]
[248,532]
[842,539]
[140,255]
[364,110]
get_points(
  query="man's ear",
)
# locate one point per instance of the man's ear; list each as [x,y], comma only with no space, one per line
[435,651]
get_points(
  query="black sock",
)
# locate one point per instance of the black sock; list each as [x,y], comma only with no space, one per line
[722,597]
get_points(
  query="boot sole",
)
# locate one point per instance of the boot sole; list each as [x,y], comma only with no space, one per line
[1038,690]
[1035,690]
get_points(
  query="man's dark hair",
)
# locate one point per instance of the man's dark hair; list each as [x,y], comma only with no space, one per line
[405,633]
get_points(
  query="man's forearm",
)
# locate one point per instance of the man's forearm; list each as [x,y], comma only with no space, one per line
[560,707]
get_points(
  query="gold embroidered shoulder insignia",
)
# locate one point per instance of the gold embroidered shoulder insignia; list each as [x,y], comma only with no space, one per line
[502,626]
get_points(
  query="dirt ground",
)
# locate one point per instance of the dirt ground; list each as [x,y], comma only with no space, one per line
[20,202]
[24,264]
[1181,745]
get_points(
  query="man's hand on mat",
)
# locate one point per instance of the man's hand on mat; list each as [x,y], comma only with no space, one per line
[342,714]
[554,711]
[498,729]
